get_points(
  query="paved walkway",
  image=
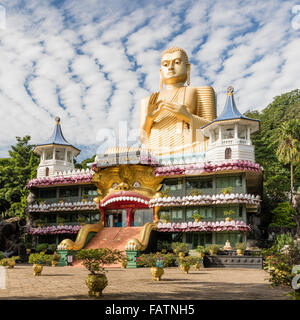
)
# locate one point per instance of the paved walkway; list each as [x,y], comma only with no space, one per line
[136,284]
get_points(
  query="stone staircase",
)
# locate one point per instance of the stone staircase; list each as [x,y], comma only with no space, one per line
[113,238]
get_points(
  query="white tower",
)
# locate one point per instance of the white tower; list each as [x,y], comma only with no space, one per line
[229,134]
[56,154]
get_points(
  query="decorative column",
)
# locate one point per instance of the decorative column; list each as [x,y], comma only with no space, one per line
[235,132]
[129,216]
[248,135]
[220,134]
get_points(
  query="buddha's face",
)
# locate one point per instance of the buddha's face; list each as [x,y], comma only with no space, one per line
[173,68]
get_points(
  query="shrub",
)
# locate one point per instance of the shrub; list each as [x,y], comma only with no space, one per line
[283,216]
[188,261]
[214,247]
[226,190]
[195,192]
[52,247]
[168,259]
[197,216]
[200,249]
[41,247]
[229,213]
[180,247]
[163,246]
[240,246]
[1,255]
[37,258]
[147,260]
[55,256]
[95,259]
[166,192]
[165,216]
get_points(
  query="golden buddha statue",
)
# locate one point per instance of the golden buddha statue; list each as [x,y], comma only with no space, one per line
[170,120]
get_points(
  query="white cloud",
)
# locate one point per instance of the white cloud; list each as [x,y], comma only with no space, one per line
[90,62]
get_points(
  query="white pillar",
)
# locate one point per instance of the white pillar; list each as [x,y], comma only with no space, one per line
[248,135]
[235,131]
[54,149]
[220,134]
[66,150]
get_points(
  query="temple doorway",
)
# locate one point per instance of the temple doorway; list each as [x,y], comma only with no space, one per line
[115,218]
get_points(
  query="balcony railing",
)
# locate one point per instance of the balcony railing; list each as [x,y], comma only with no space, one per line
[232,141]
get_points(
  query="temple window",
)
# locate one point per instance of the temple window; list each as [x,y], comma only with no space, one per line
[195,183]
[205,212]
[228,153]
[174,186]
[69,156]
[49,154]
[176,214]
[60,154]
[47,172]
[215,135]
[229,181]
[222,237]
[228,133]
[47,193]
[142,216]
[68,192]
[242,132]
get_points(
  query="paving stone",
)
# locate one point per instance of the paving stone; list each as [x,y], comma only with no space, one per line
[68,283]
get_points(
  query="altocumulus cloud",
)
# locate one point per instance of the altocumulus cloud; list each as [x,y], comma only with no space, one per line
[90,62]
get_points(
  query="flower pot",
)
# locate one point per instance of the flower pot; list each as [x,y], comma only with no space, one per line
[11,264]
[181,254]
[184,268]
[197,266]
[82,223]
[156,272]
[167,221]
[54,263]
[228,219]
[37,269]
[124,264]
[240,252]
[96,284]
[201,255]
[28,251]
[212,252]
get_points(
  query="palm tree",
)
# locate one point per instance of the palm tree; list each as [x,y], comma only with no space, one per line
[288,150]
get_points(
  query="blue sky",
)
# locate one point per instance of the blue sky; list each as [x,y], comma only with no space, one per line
[90,62]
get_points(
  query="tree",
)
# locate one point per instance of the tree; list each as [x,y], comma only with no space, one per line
[15,172]
[283,216]
[288,150]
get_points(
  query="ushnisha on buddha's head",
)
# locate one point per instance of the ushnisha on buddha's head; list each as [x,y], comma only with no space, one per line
[175,67]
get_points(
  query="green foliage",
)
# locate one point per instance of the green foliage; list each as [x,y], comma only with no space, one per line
[150,260]
[9,262]
[166,192]
[200,249]
[226,190]
[195,192]
[52,247]
[280,260]
[39,258]
[241,246]
[55,256]
[41,247]
[61,220]
[283,215]
[14,175]
[197,216]
[95,259]
[214,247]
[163,246]
[276,174]
[229,213]
[180,247]
[188,261]
[165,216]
[1,255]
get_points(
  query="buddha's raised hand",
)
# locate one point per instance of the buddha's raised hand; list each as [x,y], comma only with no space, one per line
[153,108]
[179,110]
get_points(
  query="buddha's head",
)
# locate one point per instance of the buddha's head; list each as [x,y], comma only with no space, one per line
[175,67]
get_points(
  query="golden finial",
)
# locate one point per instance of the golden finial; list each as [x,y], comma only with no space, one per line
[57,119]
[230,90]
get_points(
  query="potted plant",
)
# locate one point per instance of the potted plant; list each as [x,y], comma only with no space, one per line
[180,248]
[124,262]
[55,259]
[28,247]
[42,247]
[81,220]
[39,222]
[153,261]
[166,217]
[52,247]
[94,260]
[201,251]
[213,249]
[195,192]
[84,197]
[9,262]
[226,190]
[228,214]
[185,263]
[197,217]
[61,221]
[163,246]
[240,248]
[37,259]
[165,193]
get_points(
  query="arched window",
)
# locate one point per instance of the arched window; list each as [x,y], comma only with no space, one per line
[228,153]
[47,172]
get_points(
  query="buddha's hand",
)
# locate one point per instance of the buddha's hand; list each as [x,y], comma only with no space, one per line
[154,107]
[179,110]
